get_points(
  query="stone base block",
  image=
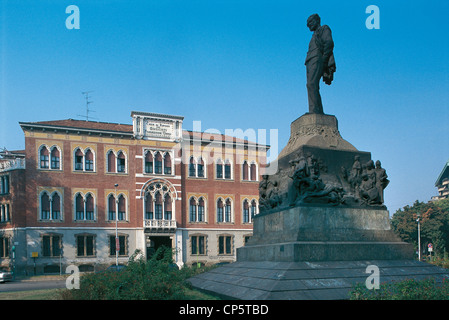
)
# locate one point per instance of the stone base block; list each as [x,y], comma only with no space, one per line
[326,280]
[326,251]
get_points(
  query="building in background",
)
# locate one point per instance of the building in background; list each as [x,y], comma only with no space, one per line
[442,183]
[79,183]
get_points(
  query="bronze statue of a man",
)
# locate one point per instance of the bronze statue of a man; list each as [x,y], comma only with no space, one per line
[319,62]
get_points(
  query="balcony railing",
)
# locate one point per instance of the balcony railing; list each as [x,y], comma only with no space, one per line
[11,164]
[160,224]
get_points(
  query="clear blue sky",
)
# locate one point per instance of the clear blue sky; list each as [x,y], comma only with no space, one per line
[238,64]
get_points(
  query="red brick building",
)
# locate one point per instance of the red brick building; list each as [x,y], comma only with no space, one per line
[78,184]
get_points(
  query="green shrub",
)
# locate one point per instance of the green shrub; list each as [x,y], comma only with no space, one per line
[155,279]
[410,289]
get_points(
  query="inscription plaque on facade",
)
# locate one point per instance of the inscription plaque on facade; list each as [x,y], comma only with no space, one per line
[159,129]
[157,126]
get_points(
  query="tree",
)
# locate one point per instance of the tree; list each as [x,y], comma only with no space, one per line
[434,219]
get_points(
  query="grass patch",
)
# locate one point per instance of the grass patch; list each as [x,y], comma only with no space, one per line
[410,289]
[45,294]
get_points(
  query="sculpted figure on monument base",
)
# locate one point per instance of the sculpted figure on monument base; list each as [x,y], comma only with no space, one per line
[367,181]
[306,185]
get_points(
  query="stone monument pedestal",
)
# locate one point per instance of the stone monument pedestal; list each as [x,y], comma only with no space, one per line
[324,234]
[322,223]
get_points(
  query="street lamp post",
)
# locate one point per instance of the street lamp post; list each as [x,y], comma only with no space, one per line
[419,238]
[117,243]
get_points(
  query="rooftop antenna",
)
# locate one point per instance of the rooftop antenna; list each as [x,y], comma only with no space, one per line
[86,96]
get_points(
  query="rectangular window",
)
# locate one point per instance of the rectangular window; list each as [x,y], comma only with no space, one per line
[227,172]
[197,244]
[4,247]
[51,246]
[4,186]
[85,246]
[89,215]
[45,214]
[149,215]
[158,211]
[227,213]
[219,171]
[245,215]
[192,213]
[89,165]
[54,162]
[44,161]
[167,170]
[167,215]
[224,245]
[121,215]
[79,215]
[111,215]
[148,167]
[220,214]
[120,165]
[201,213]
[200,170]
[55,215]
[122,245]
[191,170]
[78,162]
[158,167]
[253,211]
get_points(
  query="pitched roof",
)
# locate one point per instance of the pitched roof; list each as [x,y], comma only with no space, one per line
[127,129]
[83,124]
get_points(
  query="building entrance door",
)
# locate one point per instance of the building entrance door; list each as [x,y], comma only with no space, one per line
[155,242]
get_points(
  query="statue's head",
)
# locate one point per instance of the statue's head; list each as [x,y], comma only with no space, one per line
[378,164]
[313,22]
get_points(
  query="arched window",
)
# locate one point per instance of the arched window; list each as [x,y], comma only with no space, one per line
[227,170]
[55,206]
[84,207]
[192,210]
[245,170]
[84,161]
[148,207]
[158,206]
[79,156]
[228,211]
[89,207]
[245,211]
[121,162]
[55,159]
[219,169]
[201,210]
[167,163]
[158,163]
[111,161]
[79,207]
[253,172]
[44,154]
[89,160]
[253,209]
[192,167]
[45,206]
[121,208]
[167,207]
[111,207]
[220,208]
[148,162]
[200,168]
